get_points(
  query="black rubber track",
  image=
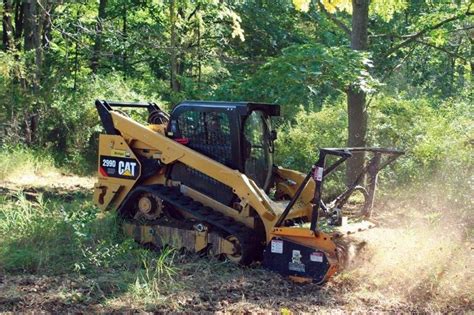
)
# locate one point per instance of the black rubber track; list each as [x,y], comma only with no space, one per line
[218,222]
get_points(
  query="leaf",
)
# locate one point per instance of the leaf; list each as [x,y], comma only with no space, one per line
[333,5]
[386,9]
[302,5]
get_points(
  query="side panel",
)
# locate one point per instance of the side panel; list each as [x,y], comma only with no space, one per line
[292,259]
[118,168]
[172,151]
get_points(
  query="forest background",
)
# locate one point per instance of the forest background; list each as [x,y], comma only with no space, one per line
[393,73]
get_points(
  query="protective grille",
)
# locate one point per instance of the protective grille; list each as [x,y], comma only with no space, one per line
[208,133]
[202,183]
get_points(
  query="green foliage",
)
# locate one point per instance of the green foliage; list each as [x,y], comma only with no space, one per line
[298,142]
[289,56]
[54,237]
[304,74]
[437,139]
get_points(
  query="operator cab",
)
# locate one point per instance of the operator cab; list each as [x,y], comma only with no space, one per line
[236,134]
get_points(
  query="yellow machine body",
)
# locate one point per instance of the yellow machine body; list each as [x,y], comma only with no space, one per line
[121,175]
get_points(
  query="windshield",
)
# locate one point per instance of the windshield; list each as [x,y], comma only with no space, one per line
[258,148]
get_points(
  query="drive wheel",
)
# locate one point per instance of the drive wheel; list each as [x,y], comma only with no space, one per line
[149,207]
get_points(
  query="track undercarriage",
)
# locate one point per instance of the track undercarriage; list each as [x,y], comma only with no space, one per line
[185,223]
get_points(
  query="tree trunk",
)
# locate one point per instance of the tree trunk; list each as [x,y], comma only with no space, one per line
[34,22]
[356,103]
[47,27]
[174,83]
[34,19]
[8,35]
[95,62]
[29,24]
[37,35]
[19,16]
[471,63]
[199,53]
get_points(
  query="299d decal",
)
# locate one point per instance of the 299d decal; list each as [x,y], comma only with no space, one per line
[112,166]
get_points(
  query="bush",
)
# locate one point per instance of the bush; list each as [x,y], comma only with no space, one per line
[298,142]
[437,139]
[66,119]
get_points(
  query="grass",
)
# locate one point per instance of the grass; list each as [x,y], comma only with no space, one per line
[61,254]
[24,161]
[81,259]
[54,238]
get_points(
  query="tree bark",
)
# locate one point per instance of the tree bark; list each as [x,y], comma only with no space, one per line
[356,99]
[95,61]
[29,24]
[175,86]
[19,16]
[34,22]
[199,53]
[34,19]
[8,35]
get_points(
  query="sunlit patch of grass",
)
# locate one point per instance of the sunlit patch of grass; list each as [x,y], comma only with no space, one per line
[22,162]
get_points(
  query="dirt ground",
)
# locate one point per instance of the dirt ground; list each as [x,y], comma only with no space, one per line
[408,265]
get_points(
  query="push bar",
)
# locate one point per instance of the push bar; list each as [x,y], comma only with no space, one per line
[104,107]
[128,104]
[318,173]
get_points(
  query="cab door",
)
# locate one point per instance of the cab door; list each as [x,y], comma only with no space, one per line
[258,148]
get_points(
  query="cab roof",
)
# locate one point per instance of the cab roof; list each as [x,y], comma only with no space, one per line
[243,108]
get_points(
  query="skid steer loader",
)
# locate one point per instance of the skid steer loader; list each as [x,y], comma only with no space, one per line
[203,179]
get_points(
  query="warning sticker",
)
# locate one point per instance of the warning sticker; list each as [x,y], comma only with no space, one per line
[295,264]
[318,174]
[316,256]
[277,246]
[296,258]
[119,153]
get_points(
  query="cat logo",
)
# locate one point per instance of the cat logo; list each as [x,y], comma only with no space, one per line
[119,167]
[127,168]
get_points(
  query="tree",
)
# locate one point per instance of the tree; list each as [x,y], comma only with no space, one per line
[174,63]
[356,98]
[358,33]
[8,34]
[98,36]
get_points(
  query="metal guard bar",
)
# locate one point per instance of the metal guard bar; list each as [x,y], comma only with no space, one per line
[373,167]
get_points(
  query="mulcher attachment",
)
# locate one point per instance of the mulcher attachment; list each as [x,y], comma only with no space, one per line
[298,261]
[309,254]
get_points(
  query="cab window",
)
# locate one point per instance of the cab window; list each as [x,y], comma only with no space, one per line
[257,155]
[208,133]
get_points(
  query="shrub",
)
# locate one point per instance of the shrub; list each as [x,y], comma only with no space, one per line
[437,138]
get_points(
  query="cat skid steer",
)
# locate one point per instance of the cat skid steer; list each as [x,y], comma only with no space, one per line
[203,179]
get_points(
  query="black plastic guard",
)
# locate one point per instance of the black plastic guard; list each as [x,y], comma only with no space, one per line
[291,259]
